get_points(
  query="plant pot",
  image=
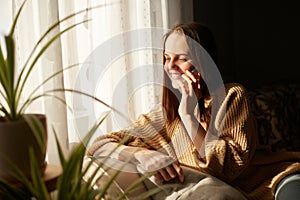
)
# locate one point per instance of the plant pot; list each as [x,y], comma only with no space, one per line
[16,138]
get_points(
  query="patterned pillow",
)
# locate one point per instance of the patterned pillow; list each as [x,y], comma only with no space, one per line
[277,110]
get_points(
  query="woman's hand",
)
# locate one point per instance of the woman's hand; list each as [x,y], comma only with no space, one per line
[191,93]
[190,90]
[164,166]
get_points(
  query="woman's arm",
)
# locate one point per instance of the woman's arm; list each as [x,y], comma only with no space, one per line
[191,93]
[196,133]
[144,146]
[148,160]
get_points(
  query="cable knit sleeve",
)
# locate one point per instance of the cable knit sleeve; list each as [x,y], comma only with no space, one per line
[230,154]
[147,131]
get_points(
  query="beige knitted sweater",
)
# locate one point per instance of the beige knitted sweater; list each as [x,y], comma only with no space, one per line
[233,157]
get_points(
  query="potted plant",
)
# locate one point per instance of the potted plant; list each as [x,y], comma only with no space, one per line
[20,130]
[80,179]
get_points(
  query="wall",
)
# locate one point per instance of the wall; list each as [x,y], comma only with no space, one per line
[258,41]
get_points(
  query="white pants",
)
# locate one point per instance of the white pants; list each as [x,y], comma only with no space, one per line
[196,186]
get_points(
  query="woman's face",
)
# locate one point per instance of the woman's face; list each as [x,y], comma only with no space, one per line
[177,58]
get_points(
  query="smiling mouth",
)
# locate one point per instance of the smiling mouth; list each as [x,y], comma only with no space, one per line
[175,76]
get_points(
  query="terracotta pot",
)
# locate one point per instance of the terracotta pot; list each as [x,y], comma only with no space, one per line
[15,139]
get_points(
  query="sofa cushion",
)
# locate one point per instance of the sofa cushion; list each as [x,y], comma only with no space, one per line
[277,110]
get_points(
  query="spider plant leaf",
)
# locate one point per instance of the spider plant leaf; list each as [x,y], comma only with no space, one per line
[3,110]
[113,177]
[61,155]
[10,73]
[38,130]
[92,195]
[12,29]
[92,97]
[10,49]
[132,187]
[52,76]
[55,25]
[3,71]
[70,182]
[90,162]
[19,88]
[20,176]
[32,99]
[8,192]
[37,180]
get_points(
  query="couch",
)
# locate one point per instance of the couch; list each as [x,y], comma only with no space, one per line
[276,107]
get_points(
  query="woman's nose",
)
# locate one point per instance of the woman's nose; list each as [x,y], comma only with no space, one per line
[172,64]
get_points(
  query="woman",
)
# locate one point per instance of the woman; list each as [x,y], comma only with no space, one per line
[201,125]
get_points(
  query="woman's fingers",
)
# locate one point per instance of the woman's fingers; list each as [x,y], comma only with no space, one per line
[191,76]
[193,79]
[187,78]
[191,83]
[162,165]
[158,177]
[165,174]
[179,171]
[170,172]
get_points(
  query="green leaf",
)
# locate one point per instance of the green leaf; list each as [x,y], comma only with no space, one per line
[8,192]
[3,110]
[19,88]
[38,130]
[71,181]
[90,96]
[40,190]
[55,25]
[62,158]
[10,49]
[10,73]
[12,29]
[32,98]
[20,176]
[3,71]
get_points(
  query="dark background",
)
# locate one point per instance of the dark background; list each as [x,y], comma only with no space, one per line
[258,41]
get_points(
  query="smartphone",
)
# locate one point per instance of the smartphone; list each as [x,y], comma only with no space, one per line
[193,69]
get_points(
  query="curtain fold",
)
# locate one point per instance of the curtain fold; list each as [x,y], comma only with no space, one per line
[33,22]
[112,60]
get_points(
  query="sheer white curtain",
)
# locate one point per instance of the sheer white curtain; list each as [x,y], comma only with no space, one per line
[35,19]
[124,72]
[113,58]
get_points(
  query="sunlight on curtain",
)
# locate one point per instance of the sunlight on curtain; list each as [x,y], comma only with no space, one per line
[96,41]
[111,55]
[34,20]
[115,70]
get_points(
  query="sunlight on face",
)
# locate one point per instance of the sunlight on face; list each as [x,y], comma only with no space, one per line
[177,58]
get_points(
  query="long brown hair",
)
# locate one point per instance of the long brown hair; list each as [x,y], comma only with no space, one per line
[193,31]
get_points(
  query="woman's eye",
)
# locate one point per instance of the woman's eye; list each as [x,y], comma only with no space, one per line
[183,59]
